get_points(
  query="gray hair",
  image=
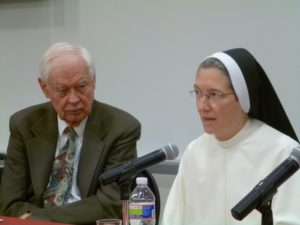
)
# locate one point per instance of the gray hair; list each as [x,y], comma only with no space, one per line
[57,50]
[217,64]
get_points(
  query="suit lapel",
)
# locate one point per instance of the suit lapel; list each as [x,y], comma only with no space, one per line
[91,152]
[42,147]
[89,159]
[41,150]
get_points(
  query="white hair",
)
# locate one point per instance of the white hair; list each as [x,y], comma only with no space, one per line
[59,49]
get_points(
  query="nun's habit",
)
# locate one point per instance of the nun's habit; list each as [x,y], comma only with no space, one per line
[262,101]
[215,175]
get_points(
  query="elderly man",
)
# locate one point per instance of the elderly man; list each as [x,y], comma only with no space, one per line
[58,149]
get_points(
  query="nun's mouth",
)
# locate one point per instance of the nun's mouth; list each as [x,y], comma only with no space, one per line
[208,119]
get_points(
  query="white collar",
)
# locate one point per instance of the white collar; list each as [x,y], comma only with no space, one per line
[79,129]
[250,127]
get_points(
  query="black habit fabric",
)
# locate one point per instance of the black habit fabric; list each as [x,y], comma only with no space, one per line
[264,102]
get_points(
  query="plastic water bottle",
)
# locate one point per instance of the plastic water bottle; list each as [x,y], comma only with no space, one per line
[142,204]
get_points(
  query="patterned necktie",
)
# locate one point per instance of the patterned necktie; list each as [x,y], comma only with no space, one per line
[61,176]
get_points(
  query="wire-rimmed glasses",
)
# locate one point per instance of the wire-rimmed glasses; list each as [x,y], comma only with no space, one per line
[212,96]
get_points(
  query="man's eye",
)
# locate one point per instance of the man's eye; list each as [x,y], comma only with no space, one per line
[61,91]
[82,87]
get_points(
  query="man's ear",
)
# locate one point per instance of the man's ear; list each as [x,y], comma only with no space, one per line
[44,87]
[94,82]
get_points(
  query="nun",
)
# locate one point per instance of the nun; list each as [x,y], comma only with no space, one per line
[247,134]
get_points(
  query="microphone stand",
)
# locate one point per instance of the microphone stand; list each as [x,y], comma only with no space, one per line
[265,208]
[124,183]
[125,192]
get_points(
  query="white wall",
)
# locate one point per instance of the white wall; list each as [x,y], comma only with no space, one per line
[146,55]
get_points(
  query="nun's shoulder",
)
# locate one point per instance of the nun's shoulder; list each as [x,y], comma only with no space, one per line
[272,135]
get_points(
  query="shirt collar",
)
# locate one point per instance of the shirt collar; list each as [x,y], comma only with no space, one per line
[79,129]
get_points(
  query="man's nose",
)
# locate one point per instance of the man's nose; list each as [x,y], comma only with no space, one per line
[73,96]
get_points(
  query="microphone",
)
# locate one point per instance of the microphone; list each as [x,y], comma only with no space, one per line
[265,189]
[131,168]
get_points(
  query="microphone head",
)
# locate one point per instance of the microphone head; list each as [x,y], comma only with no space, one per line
[295,154]
[171,151]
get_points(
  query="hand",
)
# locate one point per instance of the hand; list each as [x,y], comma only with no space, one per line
[25,215]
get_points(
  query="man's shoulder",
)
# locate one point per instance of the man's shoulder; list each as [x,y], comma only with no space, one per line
[110,112]
[33,111]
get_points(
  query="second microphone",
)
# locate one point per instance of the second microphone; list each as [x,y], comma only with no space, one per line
[168,152]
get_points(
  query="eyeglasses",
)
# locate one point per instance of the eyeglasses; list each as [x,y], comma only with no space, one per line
[212,97]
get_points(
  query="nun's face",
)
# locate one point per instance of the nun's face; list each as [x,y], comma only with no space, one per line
[219,109]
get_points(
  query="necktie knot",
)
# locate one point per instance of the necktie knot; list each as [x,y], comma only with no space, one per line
[71,133]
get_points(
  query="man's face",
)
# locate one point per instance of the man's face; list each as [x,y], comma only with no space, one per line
[70,88]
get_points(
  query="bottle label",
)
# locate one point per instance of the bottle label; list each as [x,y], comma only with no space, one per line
[142,211]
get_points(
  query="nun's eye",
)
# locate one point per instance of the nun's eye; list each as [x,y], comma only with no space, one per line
[213,96]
